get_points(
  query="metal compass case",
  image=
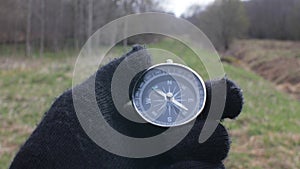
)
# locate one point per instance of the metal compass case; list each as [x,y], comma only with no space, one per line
[169,94]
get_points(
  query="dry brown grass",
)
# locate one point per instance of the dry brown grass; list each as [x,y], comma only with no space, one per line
[277,61]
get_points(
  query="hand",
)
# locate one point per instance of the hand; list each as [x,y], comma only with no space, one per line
[60,142]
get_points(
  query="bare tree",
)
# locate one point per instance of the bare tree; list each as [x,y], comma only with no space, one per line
[28,28]
[222,21]
[42,35]
[76,23]
[293,24]
[81,23]
[90,11]
[273,19]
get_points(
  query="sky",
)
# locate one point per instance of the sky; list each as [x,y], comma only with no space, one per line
[178,7]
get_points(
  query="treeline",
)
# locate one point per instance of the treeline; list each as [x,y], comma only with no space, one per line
[57,24]
[225,20]
[54,25]
[274,19]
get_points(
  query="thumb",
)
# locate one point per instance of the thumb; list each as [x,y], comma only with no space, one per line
[234,98]
[114,84]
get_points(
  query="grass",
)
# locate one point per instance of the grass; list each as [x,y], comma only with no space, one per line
[270,49]
[277,61]
[264,136]
[18,50]
[27,87]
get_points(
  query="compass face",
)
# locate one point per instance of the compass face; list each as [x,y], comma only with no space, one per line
[169,95]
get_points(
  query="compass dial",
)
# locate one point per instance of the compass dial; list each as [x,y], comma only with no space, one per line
[169,94]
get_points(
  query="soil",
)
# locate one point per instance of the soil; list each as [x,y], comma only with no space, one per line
[283,71]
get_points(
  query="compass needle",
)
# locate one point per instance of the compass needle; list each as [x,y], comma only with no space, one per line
[179,104]
[160,92]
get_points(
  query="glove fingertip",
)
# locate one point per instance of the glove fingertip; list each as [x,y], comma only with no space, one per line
[234,100]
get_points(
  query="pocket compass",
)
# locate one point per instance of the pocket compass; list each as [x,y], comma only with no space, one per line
[169,94]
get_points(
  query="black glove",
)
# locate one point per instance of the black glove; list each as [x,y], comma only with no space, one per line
[60,142]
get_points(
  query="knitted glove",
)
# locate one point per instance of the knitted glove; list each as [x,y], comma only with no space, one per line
[60,142]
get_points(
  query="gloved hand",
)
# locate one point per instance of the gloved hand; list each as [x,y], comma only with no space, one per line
[60,142]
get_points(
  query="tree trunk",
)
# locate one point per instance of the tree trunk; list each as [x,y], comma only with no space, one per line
[76,24]
[90,18]
[42,38]
[28,28]
[58,28]
[89,30]
[81,22]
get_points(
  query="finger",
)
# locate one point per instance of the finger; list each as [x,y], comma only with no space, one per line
[234,98]
[113,81]
[138,58]
[213,150]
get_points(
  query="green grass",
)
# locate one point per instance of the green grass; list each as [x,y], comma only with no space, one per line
[265,135]
[28,87]
[18,50]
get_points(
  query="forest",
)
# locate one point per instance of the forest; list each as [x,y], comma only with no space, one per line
[36,26]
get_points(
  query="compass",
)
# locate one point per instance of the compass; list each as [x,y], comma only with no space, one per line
[169,94]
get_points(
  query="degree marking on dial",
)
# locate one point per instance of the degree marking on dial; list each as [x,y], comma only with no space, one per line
[176,93]
[158,100]
[163,105]
[148,101]
[142,84]
[154,113]
[184,113]
[169,108]
[156,105]
[190,100]
[164,89]
[174,89]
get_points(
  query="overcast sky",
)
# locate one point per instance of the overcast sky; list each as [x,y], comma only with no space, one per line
[179,6]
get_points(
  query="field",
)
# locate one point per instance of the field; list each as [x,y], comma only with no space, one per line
[265,136]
